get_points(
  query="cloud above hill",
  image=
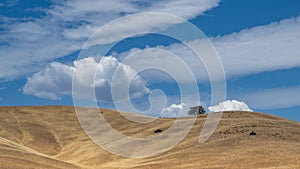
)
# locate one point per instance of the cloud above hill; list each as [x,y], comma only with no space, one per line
[173,110]
[56,79]
[229,105]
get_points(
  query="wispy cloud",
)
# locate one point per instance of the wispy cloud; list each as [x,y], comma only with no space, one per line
[263,48]
[9,3]
[274,98]
[31,42]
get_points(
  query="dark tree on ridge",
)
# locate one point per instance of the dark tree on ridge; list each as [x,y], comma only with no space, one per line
[196,110]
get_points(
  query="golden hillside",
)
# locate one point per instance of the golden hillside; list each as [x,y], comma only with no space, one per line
[51,137]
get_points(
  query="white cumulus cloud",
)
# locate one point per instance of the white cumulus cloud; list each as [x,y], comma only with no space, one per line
[229,105]
[173,110]
[56,80]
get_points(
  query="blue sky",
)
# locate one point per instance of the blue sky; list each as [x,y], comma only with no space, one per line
[257,42]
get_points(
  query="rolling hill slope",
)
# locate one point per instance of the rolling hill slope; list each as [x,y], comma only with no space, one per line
[51,137]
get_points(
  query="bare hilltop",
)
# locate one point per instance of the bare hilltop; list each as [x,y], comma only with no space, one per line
[51,137]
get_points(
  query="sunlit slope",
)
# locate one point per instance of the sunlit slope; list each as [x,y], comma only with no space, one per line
[15,155]
[51,137]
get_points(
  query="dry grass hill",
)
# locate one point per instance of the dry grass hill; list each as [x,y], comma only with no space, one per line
[51,137]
